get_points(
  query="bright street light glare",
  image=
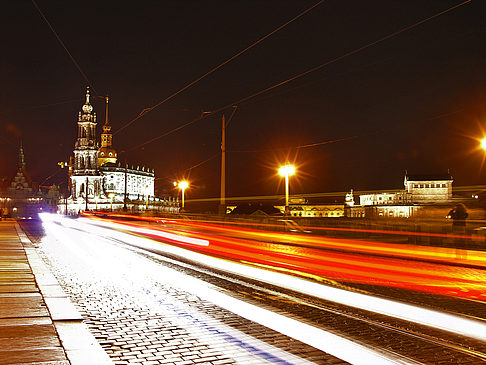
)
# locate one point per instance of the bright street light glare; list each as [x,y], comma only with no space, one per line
[286,170]
[483,143]
[183,185]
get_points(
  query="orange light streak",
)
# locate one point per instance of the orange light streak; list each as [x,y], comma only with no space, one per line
[402,272]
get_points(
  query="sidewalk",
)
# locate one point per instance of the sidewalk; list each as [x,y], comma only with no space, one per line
[38,322]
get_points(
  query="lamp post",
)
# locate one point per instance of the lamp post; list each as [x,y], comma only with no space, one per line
[222,200]
[183,185]
[146,196]
[86,193]
[483,143]
[286,171]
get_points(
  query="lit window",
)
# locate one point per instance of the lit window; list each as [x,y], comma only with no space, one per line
[102,153]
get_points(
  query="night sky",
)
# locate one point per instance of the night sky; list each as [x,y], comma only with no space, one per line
[414,102]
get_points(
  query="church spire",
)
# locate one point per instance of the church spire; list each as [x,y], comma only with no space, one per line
[106,153]
[21,157]
[107,99]
[87,115]
[106,136]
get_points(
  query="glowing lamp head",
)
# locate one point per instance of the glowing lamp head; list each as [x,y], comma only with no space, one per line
[286,170]
[483,143]
[183,185]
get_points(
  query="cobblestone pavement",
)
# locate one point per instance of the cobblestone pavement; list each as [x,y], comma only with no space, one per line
[133,309]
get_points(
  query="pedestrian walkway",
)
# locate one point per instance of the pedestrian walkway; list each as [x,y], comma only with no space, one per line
[38,322]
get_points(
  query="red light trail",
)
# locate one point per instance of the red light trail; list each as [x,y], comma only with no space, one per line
[444,271]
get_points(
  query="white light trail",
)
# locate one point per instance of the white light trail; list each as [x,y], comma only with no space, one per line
[330,343]
[428,317]
[170,236]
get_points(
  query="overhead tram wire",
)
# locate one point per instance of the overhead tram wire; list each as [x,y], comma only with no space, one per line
[56,104]
[149,109]
[343,139]
[63,46]
[435,117]
[350,53]
[305,73]
[202,162]
[324,195]
[317,144]
[216,154]
[235,107]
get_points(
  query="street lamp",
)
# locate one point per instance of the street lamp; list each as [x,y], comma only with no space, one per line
[286,171]
[111,196]
[483,143]
[183,185]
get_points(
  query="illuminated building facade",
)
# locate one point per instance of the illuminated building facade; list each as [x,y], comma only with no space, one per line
[384,199]
[429,188]
[301,208]
[86,178]
[420,191]
[99,181]
[21,199]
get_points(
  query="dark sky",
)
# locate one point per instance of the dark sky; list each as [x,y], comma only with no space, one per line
[416,101]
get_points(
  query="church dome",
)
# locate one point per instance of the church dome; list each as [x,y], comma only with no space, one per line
[87,108]
[106,154]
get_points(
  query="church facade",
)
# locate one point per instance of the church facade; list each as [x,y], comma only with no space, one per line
[21,199]
[98,180]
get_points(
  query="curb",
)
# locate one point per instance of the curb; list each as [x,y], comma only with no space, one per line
[80,346]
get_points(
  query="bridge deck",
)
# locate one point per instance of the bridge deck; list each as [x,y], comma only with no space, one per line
[38,322]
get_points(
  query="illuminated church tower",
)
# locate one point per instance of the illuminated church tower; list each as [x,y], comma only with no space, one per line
[86,178]
[100,181]
[106,153]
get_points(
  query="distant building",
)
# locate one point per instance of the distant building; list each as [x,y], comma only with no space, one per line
[429,188]
[301,208]
[99,181]
[257,209]
[21,199]
[419,191]
[384,199]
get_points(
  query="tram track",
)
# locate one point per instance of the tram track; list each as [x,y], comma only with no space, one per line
[404,341]
[398,338]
